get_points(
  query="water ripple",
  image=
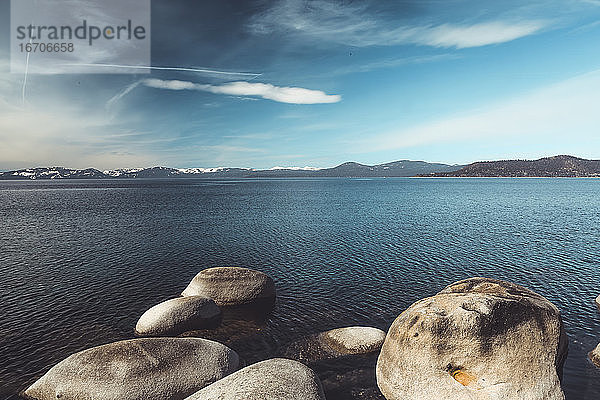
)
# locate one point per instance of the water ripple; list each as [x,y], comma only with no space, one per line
[82,260]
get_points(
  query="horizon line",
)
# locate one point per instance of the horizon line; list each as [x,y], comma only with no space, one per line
[305,168]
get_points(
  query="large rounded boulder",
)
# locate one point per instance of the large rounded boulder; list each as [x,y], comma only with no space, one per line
[339,342]
[598,302]
[476,339]
[175,316]
[277,378]
[229,286]
[137,369]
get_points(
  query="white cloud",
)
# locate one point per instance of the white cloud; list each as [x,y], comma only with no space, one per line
[476,35]
[566,109]
[350,24]
[294,95]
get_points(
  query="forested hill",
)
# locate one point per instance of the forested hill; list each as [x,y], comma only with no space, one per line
[556,166]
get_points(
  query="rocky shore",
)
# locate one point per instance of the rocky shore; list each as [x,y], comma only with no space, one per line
[476,339]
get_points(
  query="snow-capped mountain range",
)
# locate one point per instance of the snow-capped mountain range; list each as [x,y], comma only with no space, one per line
[349,169]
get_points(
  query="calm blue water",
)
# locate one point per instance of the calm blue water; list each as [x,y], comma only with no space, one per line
[80,261]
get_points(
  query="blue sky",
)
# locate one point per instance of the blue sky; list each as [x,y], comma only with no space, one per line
[373,81]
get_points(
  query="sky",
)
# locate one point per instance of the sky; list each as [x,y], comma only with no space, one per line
[318,83]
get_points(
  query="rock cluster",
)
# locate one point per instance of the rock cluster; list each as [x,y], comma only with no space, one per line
[476,339]
[161,368]
[198,308]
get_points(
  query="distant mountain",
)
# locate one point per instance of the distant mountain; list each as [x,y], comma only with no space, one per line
[403,168]
[557,166]
[166,172]
[53,173]
[392,169]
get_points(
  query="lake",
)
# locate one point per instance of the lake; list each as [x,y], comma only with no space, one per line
[80,261]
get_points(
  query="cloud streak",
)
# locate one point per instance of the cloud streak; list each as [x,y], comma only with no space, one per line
[121,94]
[393,63]
[353,25]
[206,71]
[282,94]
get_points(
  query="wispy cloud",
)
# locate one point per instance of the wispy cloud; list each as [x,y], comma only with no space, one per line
[47,130]
[282,94]
[482,34]
[545,115]
[229,148]
[252,136]
[34,136]
[586,27]
[352,24]
[393,63]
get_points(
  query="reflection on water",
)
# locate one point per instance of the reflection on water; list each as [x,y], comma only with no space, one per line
[81,260]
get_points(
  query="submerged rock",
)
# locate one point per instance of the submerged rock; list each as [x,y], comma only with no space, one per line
[476,339]
[175,316]
[349,378]
[344,359]
[594,356]
[137,369]
[252,342]
[277,378]
[231,285]
[353,385]
[353,340]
